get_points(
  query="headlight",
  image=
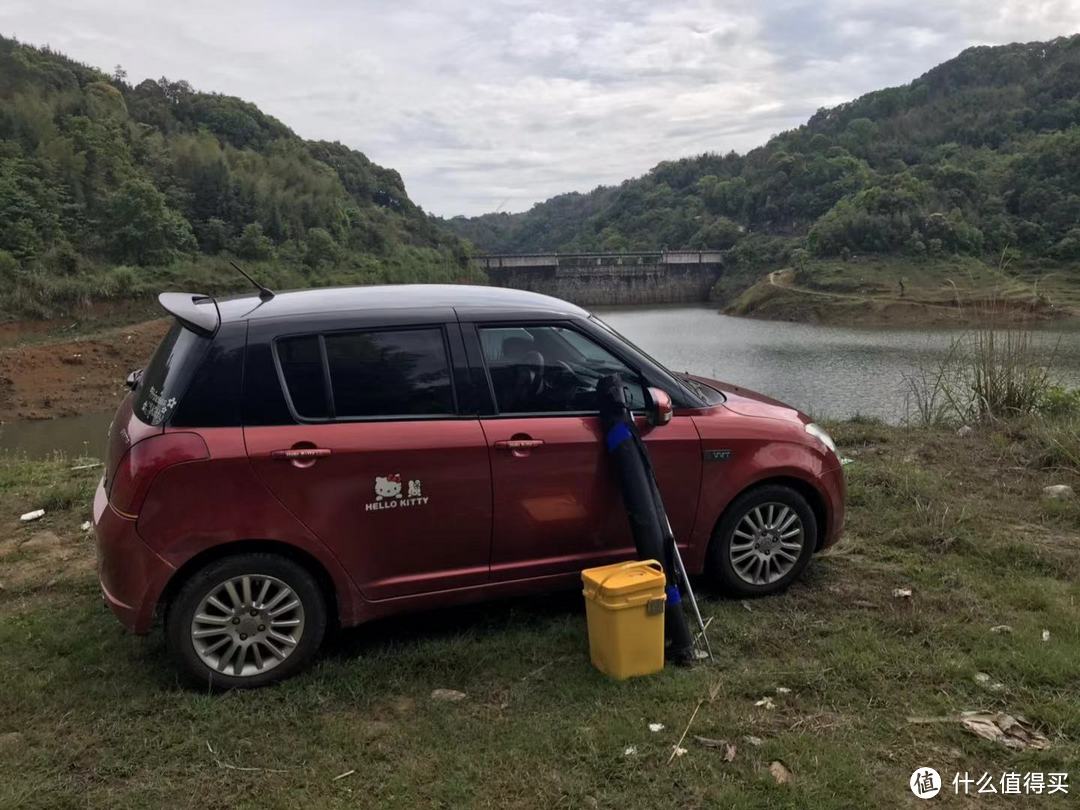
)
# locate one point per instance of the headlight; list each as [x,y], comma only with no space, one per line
[819,433]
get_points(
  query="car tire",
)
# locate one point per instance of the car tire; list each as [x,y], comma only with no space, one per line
[753,551]
[245,621]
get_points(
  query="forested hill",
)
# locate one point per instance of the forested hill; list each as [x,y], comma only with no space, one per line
[107,188]
[980,154]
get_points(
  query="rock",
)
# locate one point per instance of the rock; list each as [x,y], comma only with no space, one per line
[766,703]
[656,727]
[1045,635]
[1059,492]
[901,593]
[780,772]
[448,695]
[964,431]
[86,526]
[34,515]
[1001,629]
[984,680]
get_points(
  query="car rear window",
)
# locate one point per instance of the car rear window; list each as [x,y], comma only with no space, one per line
[167,376]
[386,373]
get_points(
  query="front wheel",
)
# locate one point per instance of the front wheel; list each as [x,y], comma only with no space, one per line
[764,541]
[245,621]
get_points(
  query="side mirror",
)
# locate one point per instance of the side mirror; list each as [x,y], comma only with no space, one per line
[660,408]
[133,379]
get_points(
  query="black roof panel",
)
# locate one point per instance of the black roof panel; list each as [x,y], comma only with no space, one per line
[390,296]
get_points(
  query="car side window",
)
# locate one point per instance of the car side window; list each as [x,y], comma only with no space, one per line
[394,372]
[402,372]
[550,369]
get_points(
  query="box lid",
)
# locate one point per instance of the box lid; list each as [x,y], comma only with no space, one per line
[623,579]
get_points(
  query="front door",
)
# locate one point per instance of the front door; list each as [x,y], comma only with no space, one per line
[388,476]
[558,507]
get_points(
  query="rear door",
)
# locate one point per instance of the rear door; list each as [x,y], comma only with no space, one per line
[558,508]
[375,457]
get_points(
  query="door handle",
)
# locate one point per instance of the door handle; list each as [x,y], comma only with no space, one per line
[518,444]
[301,453]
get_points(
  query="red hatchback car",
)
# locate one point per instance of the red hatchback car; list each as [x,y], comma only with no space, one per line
[339,455]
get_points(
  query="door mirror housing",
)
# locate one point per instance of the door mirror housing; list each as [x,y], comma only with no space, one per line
[660,409]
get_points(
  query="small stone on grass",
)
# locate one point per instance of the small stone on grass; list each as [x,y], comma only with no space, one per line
[448,695]
[1059,492]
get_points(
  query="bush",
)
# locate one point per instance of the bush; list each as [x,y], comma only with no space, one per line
[320,248]
[253,244]
[63,257]
[122,280]
[9,266]
[1059,401]
[213,235]
[988,373]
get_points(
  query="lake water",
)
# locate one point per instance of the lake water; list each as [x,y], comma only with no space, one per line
[828,371]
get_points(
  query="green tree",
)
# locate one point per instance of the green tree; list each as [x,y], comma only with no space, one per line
[320,248]
[142,229]
[253,244]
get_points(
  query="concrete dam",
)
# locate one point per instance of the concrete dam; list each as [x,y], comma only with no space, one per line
[660,277]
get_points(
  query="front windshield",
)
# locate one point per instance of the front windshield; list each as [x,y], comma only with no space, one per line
[675,378]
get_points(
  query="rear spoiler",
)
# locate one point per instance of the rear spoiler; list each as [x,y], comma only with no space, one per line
[197,312]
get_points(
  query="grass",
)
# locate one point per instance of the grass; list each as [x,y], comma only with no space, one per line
[993,371]
[100,721]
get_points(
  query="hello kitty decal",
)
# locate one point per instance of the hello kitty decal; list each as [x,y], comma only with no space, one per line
[388,493]
[387,486]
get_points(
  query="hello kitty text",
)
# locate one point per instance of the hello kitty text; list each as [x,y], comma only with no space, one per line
[388,494]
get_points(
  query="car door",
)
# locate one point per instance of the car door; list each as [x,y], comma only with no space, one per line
[376,459]
[557,506]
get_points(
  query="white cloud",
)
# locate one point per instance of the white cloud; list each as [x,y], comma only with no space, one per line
[482,104]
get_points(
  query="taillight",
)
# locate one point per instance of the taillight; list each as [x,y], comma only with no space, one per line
[141,464]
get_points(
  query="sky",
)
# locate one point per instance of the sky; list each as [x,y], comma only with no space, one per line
[496,105]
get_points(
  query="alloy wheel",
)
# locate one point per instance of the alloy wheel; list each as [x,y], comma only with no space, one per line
[767,543]
[247,625]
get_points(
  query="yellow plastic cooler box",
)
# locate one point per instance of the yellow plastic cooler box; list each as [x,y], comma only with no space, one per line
[624,607]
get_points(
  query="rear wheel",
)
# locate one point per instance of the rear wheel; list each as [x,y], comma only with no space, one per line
[764,541]
[246,621]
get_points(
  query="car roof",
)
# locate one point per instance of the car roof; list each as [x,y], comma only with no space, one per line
[392,296]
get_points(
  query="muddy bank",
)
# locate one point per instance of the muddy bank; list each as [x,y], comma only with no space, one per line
[70,377]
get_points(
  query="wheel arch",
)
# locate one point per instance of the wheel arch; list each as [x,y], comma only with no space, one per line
[236,547]
[811,493]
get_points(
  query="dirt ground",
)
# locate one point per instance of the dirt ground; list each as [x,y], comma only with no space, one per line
[65,377]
